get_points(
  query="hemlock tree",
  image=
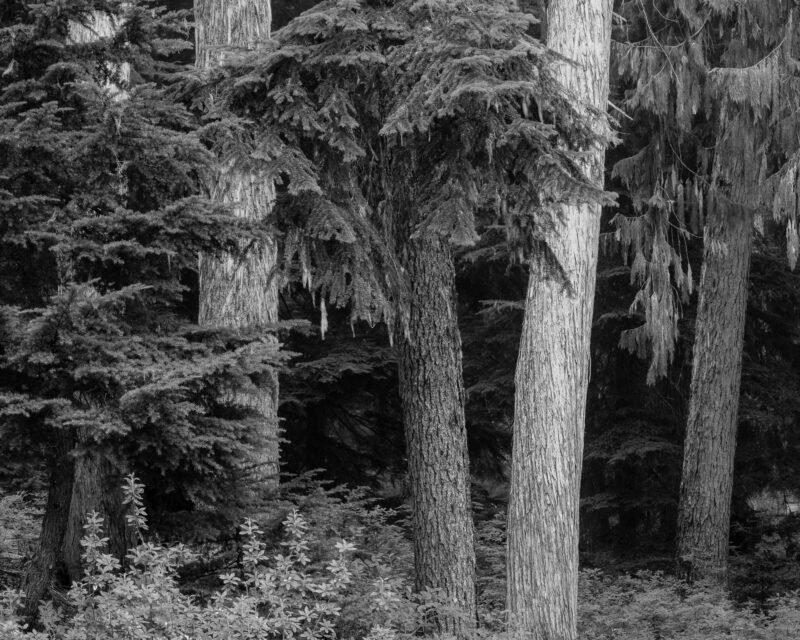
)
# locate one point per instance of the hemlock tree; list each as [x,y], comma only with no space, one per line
[234,291]
[100,362]
[721,100]
[746,122]
[553,366]
[392,128]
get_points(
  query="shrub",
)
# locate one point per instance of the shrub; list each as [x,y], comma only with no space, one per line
[653,606]
[302,591]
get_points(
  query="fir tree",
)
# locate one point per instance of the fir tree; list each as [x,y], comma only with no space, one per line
[715,84]
[100,228]
[389,129]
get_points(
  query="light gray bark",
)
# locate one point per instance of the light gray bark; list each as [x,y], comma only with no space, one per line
[238,292]
[553,367]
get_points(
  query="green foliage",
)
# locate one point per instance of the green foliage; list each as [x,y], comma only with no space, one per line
[311,585]
[381,122]
[651,606]
[101,223]
[20,516]
[713,96]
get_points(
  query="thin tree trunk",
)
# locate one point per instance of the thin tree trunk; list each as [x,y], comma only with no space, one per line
[553,368]
[47,561]
[432,392]
[241,292]
[704,509]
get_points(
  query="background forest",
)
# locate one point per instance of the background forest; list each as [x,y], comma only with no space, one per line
[281,284]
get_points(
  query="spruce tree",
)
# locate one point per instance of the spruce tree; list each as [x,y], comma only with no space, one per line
[101,362]
[96,481]
[390,129]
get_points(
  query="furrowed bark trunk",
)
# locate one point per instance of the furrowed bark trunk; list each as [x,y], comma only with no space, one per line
[241,292]
[553,368]
[704,509]
[96,486]
[432,392]
[47,561]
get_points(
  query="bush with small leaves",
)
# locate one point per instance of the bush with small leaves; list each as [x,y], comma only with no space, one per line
[300,592]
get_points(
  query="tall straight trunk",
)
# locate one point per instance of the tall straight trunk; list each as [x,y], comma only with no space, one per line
[432,393]
[96,484]
[47,561]
[704,509]
[553,367]
[238,292]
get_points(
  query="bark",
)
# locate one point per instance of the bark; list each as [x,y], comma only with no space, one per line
[96,486]
[553,368]
[47,562]
[237,292]
[432,393]
[704,508]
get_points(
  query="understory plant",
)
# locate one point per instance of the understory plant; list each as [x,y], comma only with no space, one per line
[313,584]
[298,590]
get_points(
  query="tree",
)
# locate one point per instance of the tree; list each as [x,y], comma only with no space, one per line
[236,292]
[720,99]
[710,443]
[432,393]
[392,129]
[745,126]
[96,477]
[553,365]
[100,363]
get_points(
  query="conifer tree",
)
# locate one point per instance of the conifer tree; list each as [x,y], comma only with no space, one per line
[720,99]
[100,226]
[392,128]
[96,480]
[234,292]
[553,363]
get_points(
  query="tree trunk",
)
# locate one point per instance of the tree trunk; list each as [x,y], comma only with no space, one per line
[553,367]
[241,292]
[47,561]
[704,509]
[432,393]
[96,486]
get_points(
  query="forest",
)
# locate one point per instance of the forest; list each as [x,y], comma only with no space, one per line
[391,319]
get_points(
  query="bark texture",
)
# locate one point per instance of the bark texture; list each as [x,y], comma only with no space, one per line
[553,368]
[704,509]
[47,561]
[432,393]
[96,486]
[237,292]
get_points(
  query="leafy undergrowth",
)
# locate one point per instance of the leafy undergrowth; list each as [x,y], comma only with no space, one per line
[342,569]
[653,606]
